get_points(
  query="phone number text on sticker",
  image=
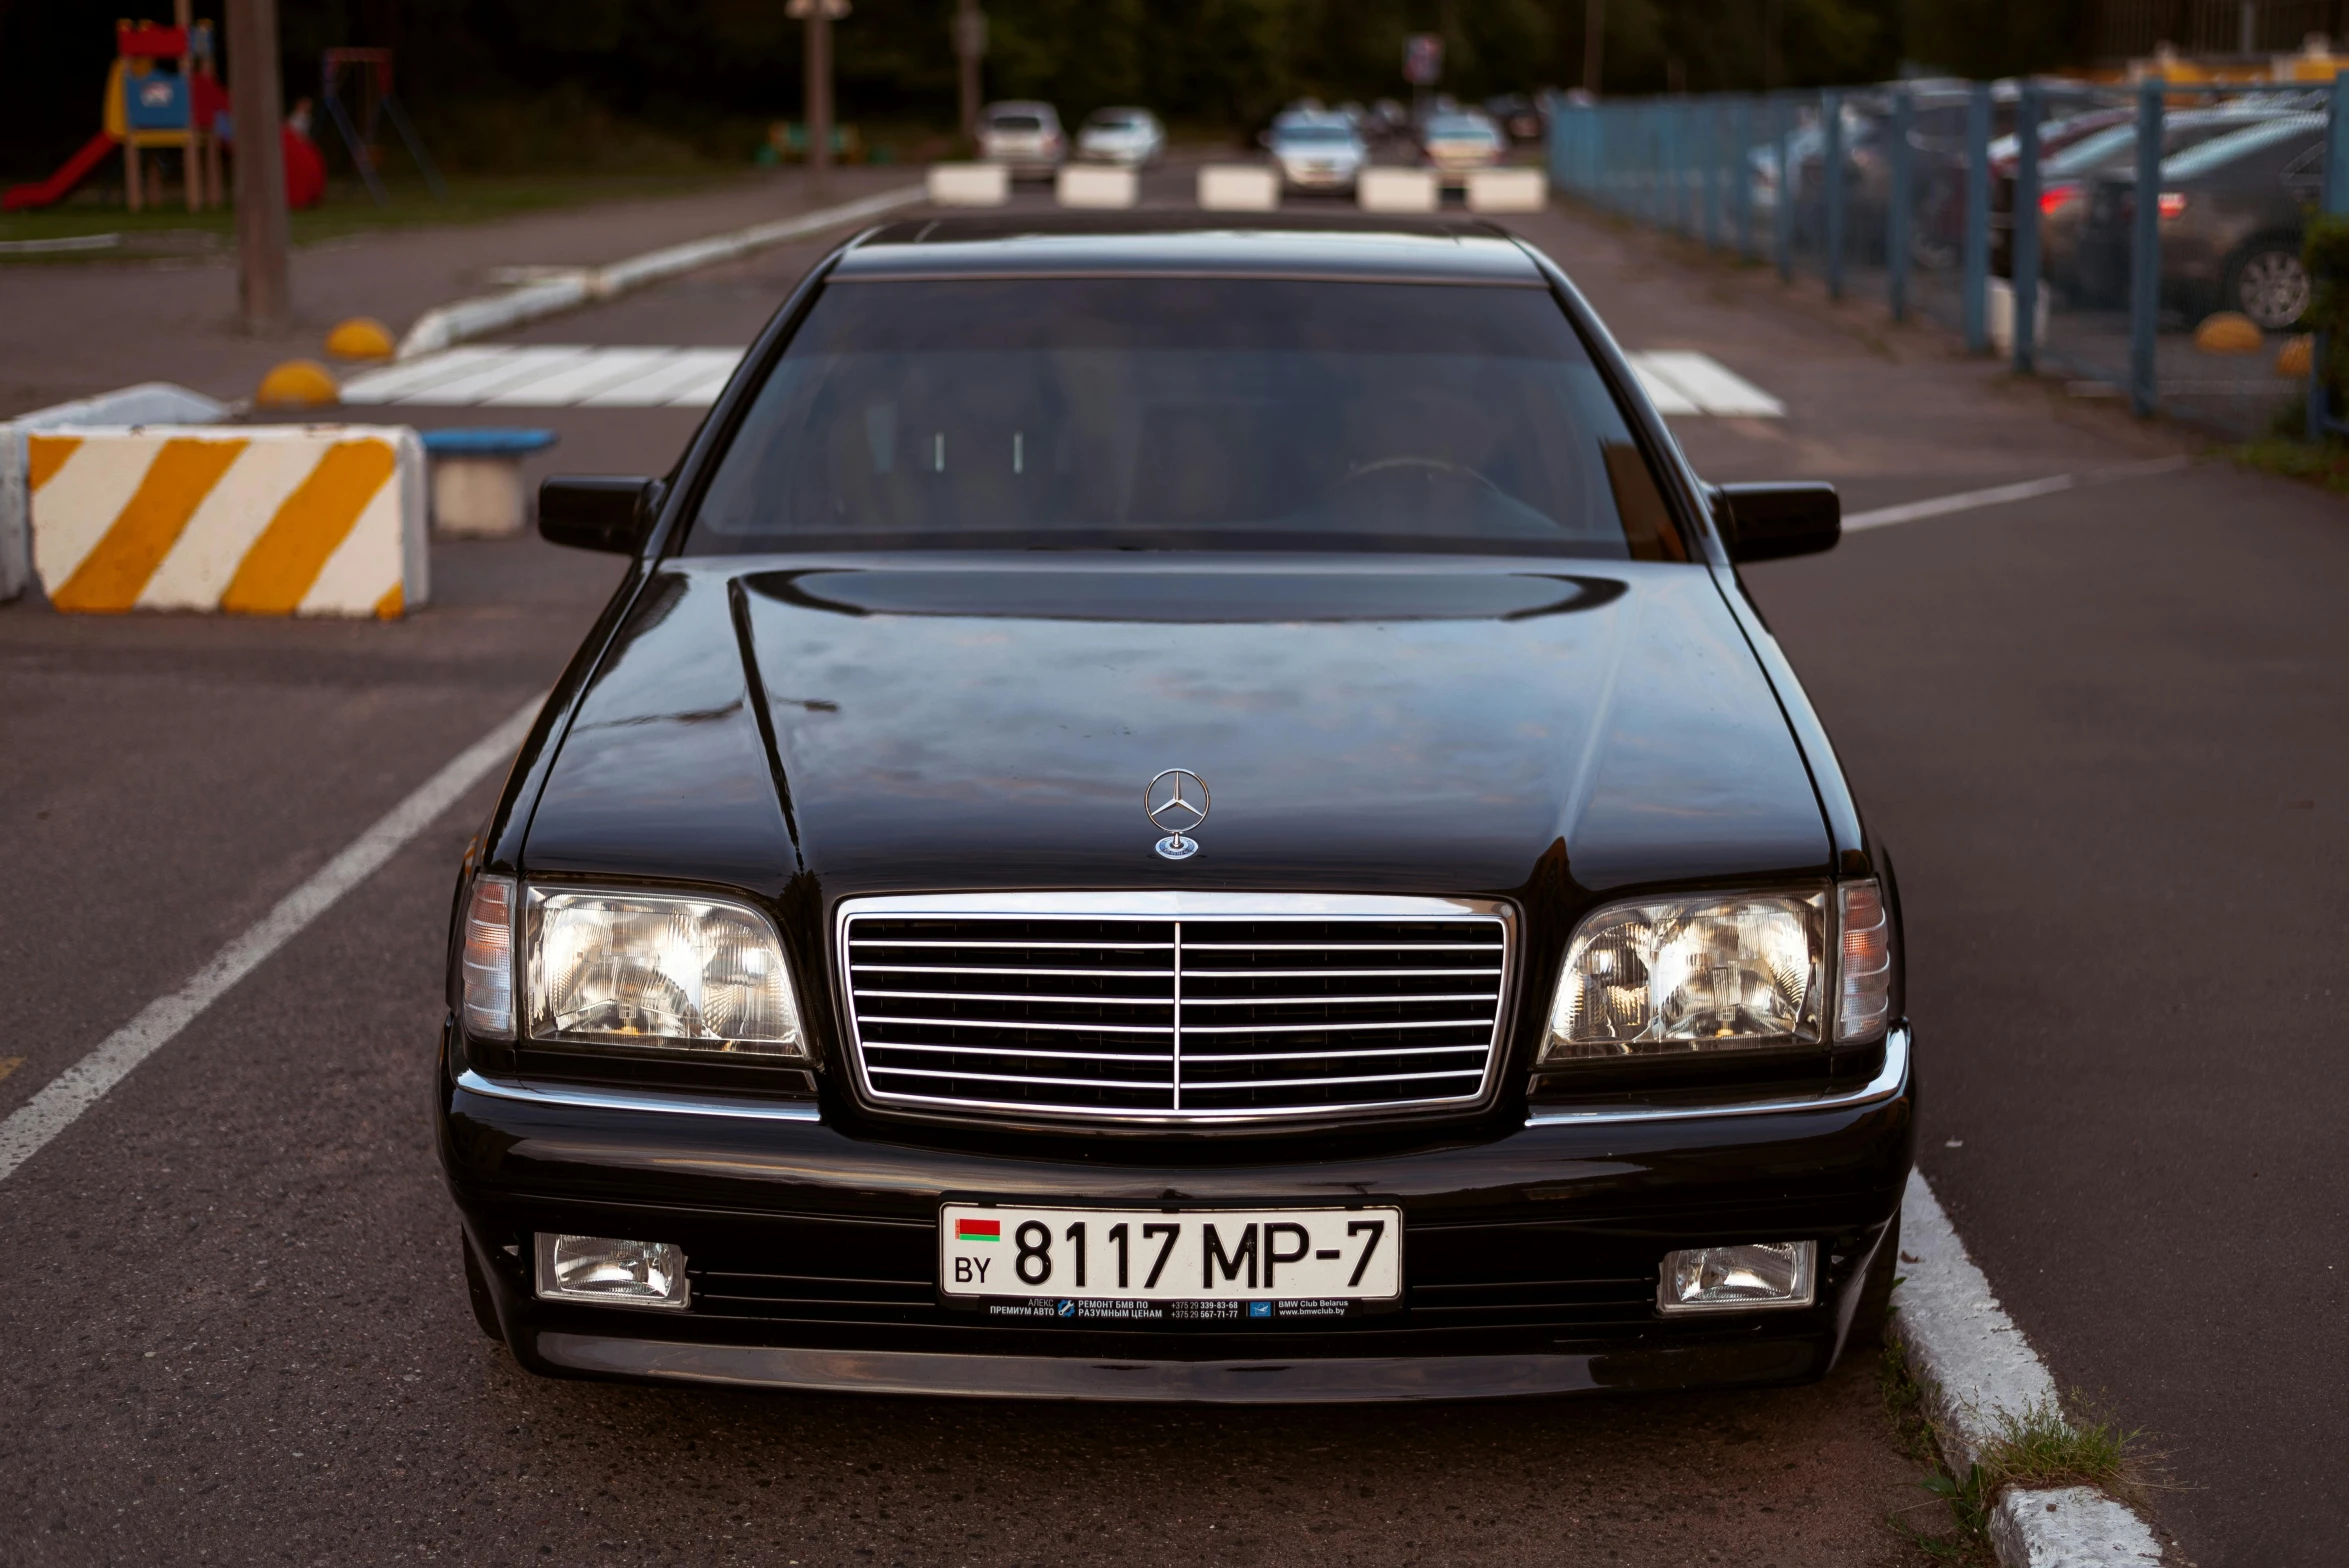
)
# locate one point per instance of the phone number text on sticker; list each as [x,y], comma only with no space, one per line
[1146,1255]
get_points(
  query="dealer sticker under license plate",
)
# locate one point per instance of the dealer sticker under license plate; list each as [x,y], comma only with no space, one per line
[1149,1264]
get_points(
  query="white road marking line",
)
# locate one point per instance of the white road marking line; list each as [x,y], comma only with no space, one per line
[1708,384]
[55,1108]
[1999,495]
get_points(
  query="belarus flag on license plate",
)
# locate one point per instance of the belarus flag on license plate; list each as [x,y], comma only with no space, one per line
[978,1230]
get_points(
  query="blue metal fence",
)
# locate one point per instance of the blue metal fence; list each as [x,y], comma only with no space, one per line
[1888,192]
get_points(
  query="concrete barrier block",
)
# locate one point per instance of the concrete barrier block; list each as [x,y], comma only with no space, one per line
[969,184]
[1398,190]
[1238,187]
[259,520]
[1508,190]
[1092,185]
[150,402]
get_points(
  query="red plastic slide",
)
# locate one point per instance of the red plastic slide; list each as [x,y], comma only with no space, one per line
[42,193]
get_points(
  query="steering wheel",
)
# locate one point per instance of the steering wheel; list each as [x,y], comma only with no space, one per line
[1431,465]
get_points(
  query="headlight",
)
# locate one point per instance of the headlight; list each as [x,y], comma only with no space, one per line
[677,973]
[1722,972]
[1672,976]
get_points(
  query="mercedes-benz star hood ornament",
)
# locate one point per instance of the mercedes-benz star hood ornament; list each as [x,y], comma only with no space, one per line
[1176,801]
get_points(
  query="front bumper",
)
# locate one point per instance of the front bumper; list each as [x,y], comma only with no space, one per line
[1530,1250]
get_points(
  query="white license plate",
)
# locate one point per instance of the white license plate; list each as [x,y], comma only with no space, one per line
[1257,1262]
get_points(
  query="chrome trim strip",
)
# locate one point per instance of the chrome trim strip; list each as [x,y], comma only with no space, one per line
[992,1375]
[1883,1086]
[1180,904]
[1173,905]
[583,1099]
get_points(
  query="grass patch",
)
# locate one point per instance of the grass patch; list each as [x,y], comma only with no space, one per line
[1968,1542]
[169,229]
[2038,1450]
[2324,463]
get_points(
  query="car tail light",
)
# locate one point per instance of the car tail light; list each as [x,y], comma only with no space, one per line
[2172,203]
[2057,197]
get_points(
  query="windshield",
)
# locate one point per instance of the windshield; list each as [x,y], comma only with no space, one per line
[1317,134]
[1184,413]
[1107,120]
[1460,130]
[1016,122]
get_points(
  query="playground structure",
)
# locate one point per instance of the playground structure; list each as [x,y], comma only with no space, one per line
[164,94]
[148,108]
[371,73]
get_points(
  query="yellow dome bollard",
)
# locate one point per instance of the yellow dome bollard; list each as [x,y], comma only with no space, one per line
[2229,332]
[2292,359]
[298,383]
[361,337]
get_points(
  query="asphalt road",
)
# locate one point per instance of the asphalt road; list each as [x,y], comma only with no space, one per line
[2104,734]
[2086,724]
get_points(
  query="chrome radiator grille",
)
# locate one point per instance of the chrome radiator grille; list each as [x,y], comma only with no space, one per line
[1221,1008]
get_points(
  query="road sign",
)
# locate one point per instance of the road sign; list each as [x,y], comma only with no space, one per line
[1423,59]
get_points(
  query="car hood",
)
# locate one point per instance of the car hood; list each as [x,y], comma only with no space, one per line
[1430,725]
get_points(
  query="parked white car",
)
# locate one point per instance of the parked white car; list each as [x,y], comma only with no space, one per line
[1316,151]
[1133,138]
[1025,137]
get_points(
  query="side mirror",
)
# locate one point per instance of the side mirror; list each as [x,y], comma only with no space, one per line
[1768,522]
[608,512]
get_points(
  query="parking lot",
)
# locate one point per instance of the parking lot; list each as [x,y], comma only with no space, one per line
[2102,731]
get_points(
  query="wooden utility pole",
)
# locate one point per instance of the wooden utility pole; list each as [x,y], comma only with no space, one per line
[970,47]
[264,294]
[819,95]
[1594,43]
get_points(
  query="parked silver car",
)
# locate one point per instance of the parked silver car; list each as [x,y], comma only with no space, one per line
[1024,136]
[1316,151]
[1131,137]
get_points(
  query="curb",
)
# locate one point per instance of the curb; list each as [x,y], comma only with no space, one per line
[463,319]
[1974,1365]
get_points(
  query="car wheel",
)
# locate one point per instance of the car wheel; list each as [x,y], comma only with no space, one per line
[2271,286]
[485,1310]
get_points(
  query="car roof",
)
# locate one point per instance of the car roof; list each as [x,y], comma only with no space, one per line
[1178,244]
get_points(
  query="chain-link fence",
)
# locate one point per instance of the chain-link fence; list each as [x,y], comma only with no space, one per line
[2008,211]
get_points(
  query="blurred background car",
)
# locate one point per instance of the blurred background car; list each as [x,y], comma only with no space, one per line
[1517,115]
[2232,215]
[1132,137]
[1459,141]
[1025,136]
[2064,176]
[1315,150]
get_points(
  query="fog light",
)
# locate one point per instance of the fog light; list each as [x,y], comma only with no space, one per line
[1741,1278]
[615,1273]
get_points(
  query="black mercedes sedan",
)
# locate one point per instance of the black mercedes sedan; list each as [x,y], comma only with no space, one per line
[1172,809]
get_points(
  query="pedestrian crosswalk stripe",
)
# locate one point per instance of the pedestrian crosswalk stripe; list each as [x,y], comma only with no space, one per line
[549,376]
[1681,382]
[557,375]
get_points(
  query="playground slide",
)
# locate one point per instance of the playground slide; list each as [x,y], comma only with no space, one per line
[42,193]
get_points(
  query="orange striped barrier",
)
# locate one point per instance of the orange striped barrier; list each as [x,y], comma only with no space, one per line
[263,520]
